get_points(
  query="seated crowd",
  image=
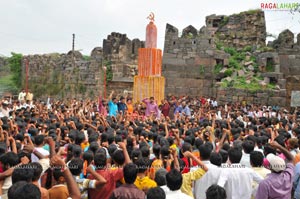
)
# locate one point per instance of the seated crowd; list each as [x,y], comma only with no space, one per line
[182,148]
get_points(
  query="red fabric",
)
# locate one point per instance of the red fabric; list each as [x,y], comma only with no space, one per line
[111,176]
[187,165]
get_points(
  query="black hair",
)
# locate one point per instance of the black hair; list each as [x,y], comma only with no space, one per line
[145,152]
[94,146]
[76,150]
[164,152]
[135,155]
[118,157]
[198,142]
[235,155]
[156,150]
[111,149]
[204,152]
[130,173]
[9,159]
[22,173]
[80,138]
[142,165]
[216,158]
[156,193]
[37,170]
[39,139]
[57,173]
[110,138]
[215,192]
[24,190]
[248,146]
[100,160]
[160,177]
[174,180]
[88,156]
[76,166]
[224,155]
[256,158]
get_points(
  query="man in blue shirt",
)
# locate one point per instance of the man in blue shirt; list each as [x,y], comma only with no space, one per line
[112,105]
[122,107]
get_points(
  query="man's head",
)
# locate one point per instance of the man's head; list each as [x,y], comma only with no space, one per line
[100,160]
[152,99]
[256,158]
[39,140]
[174,180]
[235,155]
[9,159]
[37,170]
[160,177]
[22,173]
[156,193]
[130,173]
[24,190]
[122,99]
[142,165]
[215,192]
[204,152]
[76,166]
[248,146]
[114,100]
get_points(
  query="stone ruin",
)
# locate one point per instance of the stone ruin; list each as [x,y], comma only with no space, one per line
[188,65]
[75,75]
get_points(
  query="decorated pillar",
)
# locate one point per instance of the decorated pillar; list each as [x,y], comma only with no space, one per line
[149,82]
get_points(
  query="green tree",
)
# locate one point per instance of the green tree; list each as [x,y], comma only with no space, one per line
[15,64]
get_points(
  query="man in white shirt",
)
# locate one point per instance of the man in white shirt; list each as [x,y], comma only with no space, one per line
[248,147]
[210,177]
[39,143]
[22,95]
[174,182]
[236,179]
[257,159]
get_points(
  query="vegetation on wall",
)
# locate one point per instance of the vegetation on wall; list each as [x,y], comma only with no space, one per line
[248,79]
[109,72]
[15,64]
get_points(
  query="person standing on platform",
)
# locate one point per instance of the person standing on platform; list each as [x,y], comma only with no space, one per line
[151,107]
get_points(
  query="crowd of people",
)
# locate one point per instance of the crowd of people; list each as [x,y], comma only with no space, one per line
[182,147]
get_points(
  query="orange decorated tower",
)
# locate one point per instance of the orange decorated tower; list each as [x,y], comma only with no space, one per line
[149,82]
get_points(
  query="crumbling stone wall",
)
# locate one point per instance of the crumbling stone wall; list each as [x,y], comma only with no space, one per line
[75,75]
[266,97]
[122,53]
[188,61]
[64,75]
[239,30]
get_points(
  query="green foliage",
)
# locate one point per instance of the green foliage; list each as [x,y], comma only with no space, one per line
[247,49]
[270,67]
[86,58]
[218,68]
[224,21]
[230,50]
[202,70]
[109,72]
[15,64]
[228,72]
[241,83]
[233,63]
[219,45]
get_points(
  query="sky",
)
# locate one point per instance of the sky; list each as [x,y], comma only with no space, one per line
[46,26]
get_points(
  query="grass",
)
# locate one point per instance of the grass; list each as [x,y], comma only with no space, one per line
[7,84]
[240,83]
